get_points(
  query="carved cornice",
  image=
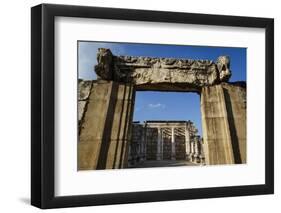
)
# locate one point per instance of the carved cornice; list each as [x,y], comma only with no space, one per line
[148,70]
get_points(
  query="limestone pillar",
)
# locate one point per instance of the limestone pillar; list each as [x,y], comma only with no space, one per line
[130,157]
[187,143]
[202,155]
[192,149]
[162,144]
[142,155]
[196,149]
[224,124]
[105,133]
[173,144]
[159,144]
[145,140]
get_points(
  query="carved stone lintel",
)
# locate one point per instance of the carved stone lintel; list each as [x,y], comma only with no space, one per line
[148,70]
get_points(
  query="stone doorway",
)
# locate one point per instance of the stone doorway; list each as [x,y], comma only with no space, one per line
[106,107]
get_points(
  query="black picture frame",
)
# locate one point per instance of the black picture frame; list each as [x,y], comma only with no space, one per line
[43,110]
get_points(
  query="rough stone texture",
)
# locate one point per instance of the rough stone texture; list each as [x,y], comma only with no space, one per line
[223,112]
[105,130]
[150,72]
[93,127]
[223,64]
[236,105]
[81,110]
[104,136]
[104,66]
[120,134]
[84,89]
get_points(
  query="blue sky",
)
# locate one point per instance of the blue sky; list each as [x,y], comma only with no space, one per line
[163,105]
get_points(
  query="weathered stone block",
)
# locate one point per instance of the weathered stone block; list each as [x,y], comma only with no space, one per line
[81,109]
[147,71]
[84,88]
[224,124]
[106,122]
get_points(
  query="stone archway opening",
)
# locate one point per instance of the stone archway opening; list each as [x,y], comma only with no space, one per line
[166,130]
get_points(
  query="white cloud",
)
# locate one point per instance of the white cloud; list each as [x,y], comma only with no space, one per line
[156,106]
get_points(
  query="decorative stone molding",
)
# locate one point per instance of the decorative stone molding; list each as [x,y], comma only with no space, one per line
[149,71]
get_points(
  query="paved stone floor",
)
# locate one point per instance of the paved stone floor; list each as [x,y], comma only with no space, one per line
[164,163]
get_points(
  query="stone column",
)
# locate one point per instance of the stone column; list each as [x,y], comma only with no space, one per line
[173,144]
[187,143]
[216,130]
[142,157]
[196,149]
[130,160]
[106,130]
[159,145]
[120,137]
[145,139]
[162,145]
[202,152]
[192,149]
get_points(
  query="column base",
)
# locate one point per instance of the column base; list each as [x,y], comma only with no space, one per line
[159,157]
[188,157]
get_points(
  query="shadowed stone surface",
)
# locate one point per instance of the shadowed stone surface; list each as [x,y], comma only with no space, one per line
[223,109]
[105,131]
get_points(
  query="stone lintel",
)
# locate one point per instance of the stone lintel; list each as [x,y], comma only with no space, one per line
[149,73]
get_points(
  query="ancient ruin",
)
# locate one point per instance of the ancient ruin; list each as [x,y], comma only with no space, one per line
[106,107]
[165,140]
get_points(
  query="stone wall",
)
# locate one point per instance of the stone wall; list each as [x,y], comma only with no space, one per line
[105,114]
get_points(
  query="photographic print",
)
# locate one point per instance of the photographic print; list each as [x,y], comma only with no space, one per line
[157,105]
[133,106]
